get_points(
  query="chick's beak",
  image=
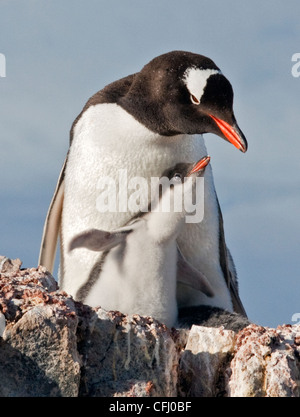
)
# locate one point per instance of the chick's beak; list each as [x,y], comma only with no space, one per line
[232,133]
[200,165]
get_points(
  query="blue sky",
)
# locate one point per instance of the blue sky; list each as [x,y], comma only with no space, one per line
[59,53]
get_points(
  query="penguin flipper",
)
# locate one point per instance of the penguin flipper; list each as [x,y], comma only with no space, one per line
[228,269]
[98,240]
[52,225]
[188,275]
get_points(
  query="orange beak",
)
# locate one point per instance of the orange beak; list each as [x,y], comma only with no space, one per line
[200,165]
[232,133]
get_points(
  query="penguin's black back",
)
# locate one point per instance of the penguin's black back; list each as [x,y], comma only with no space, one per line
[208,316]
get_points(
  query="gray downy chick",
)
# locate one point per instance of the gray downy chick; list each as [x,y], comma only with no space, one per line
[141,262]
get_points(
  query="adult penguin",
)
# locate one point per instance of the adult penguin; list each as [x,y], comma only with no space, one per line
[144,123]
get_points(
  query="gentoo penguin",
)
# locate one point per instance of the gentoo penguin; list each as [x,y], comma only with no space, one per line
[144,123]
[137,270]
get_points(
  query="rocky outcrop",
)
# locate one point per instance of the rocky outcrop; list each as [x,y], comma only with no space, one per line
[51,345]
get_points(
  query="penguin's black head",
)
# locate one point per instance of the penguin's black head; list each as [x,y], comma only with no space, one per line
[182,170]
[184,93]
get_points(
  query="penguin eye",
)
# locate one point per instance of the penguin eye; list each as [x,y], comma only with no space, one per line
[194,99]
[177,176]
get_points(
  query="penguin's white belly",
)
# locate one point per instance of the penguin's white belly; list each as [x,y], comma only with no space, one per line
[106,140]
[138,278]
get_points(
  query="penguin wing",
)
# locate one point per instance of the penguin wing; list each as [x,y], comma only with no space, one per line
[52,225]
[98,240]
[228,268]
[190,276]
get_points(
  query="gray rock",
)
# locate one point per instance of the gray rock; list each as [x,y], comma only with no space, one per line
[51,345]
[266,363]
[124,356]
[204,360]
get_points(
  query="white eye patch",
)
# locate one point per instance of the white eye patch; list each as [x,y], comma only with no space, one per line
[196,79]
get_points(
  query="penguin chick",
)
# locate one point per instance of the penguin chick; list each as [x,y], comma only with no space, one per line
[140,262]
